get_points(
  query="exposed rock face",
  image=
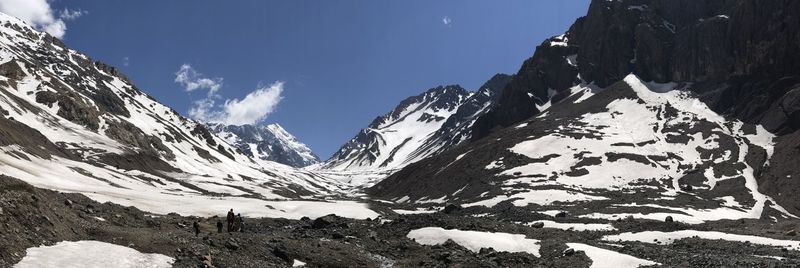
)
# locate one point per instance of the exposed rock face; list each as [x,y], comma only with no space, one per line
[268,143]
[715,42]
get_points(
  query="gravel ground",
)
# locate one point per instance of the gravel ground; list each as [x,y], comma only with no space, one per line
[31,217]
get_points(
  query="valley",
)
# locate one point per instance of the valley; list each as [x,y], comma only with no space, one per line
[659,133]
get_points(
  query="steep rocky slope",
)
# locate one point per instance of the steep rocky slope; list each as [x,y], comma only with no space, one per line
[76,125]
[418,127]
[642,109]
[267,143]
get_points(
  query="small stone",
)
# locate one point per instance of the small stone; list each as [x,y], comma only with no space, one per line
[538,225]
[569,252]
[68,202]
[231,245]
[669,219]
[791,233]
[562,214]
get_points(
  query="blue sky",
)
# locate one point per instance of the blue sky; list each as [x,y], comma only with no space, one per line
[342,63]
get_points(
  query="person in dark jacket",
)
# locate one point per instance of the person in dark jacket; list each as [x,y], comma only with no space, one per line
[241,222]
[196,226]
[237,224]
[230,219]
[219,226]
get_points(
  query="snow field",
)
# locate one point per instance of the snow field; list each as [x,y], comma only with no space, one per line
[91,254]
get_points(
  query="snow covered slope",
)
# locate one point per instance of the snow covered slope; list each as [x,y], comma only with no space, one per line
[392,140]
[420,126]
[267,143]
[71,124]
[636,149]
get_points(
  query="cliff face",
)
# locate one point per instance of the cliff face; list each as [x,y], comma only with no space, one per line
[743,54]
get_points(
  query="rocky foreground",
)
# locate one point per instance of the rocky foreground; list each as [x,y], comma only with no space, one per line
[32,217]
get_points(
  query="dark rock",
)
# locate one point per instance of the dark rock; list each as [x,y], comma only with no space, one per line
[324,221]
[669,219]
[791,232]
[68,202]
[337,236]
[562,214]
[282,253]
[452,208]
[538,225]
[569,252]
[232,245]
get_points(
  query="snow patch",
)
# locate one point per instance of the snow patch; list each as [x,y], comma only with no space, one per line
[603,258]
[474,240]
[91,254]
[653,237]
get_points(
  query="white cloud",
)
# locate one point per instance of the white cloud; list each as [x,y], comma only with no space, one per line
[126,61]
[447,21]
[252,109]
[191,80]
[255,107]
[40,15]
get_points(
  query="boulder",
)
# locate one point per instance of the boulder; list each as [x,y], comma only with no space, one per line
[538,225]
[451,208]
[324,221]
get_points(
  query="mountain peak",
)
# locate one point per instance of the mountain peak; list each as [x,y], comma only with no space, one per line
[268,143]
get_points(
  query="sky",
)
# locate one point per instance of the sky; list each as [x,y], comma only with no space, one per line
[321,69]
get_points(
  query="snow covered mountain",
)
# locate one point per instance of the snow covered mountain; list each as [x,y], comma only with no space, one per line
[645,109]
[72,124]
[267,143]
[418,127]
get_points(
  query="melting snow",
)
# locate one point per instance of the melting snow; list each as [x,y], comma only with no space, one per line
[474,240]
[577,226]
[668,237]
[603,258]
[91,254]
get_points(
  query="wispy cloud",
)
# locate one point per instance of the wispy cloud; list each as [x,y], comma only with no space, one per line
[447,21]
[252,109]
[40,15]
[192,80]
[67,14]
[126,61]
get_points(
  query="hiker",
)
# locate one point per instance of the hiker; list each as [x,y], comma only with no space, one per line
[230,219]
[196,228]
[241,222]
[237,224]
[219,226]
